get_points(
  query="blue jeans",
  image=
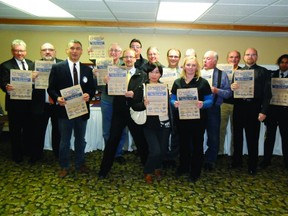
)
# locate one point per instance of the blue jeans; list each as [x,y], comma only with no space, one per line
[66,126]
[107,112]
[213,133]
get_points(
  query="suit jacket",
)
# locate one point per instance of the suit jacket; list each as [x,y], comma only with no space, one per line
[60,78]
[5,79]
[38,98]
[276,74]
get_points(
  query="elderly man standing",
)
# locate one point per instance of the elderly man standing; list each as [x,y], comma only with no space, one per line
[19,111]
[248,113]
[220,87]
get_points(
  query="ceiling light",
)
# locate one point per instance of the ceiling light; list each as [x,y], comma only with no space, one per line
[181,11]
[40,8]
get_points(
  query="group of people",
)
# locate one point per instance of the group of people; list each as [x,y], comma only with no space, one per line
[161,140]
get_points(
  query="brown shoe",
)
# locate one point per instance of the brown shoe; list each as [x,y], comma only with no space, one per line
[84,169]
[63,173]
[158,175]
[148,178]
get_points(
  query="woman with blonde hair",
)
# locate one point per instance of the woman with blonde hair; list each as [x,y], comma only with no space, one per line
[191,131]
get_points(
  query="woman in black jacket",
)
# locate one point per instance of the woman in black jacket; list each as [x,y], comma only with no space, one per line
[156,129]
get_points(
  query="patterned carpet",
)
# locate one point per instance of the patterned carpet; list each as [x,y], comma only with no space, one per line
[37,190]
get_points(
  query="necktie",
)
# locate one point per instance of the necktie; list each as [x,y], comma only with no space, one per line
[282,75]
[23,65]
[128,77]
[75,74]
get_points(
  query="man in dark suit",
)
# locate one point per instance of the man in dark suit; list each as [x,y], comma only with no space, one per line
[19,111]
[42,110]
[277,116]
[63,75]
[249,113]
[121,117]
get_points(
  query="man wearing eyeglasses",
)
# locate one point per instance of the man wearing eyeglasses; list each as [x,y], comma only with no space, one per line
[42,110]
[173,58]
[121,116]
[136,45]
[249,113]
[19,111]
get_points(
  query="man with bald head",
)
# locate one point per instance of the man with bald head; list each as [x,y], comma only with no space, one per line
[233,57]
[249,113]
[220,88]
[42,110]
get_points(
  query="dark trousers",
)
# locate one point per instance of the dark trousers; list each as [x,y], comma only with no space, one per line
[278,116]
[119,121]
[157,140]
[20,130]
[191,137]
[40,122]
[245,116]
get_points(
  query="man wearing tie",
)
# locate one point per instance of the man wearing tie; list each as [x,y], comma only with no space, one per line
[19,111]
[277,116]
[42,110]
[121,116]
[63,75]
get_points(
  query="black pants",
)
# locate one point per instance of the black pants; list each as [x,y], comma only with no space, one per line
[119,122]
[40,122]
[20,130]
[191,137]
[245,116]
[278,116]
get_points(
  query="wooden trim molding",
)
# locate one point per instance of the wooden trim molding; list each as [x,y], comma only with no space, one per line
[144,25]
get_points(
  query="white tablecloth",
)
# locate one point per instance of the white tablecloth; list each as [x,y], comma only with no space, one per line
[95,139]
[93,135]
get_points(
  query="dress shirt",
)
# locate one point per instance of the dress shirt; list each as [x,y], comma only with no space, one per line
[71,66]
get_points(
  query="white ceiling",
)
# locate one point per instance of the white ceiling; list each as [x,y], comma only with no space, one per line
[271,13]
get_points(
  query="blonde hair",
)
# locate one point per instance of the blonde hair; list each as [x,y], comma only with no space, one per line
[198,71]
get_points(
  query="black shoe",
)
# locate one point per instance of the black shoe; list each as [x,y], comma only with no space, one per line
[235,166]
[209,166]
[252,172]
[180,172]
[193,179]
[102,175]
[264,164]
[120,160]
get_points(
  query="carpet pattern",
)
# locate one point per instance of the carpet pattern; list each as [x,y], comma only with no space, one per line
[37,190]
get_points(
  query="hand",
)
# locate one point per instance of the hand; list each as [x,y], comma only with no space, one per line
[176,104]
[129,94]
[106,79]
[9,87]
[95,72]
[214,90]
[200,104]
[234,86]
[61,101]
[261,117]
[146,102]
[35,74]
[86,97]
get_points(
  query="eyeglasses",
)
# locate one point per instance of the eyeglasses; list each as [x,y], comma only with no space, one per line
[252,55]
[19,51]
[48,49]
[114,50]
[75,48]
[135,47]
[128,57]
[171,56]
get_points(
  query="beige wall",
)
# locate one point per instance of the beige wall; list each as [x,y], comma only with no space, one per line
[269,48]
